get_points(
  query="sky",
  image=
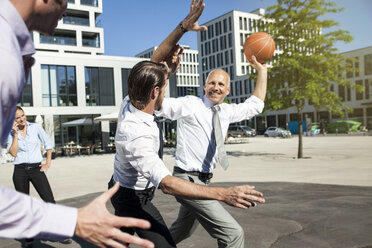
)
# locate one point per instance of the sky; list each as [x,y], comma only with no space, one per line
[131,27]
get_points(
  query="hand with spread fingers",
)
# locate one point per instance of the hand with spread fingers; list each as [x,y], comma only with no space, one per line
[96,225]
[173,60]
[243,196]
[190,23]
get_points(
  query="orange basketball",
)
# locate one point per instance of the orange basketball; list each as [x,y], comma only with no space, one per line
[261,45]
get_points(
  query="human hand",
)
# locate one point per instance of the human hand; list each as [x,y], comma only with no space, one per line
[257,65]
[97,226]
[44,167]
[243,196]
[190,23]
[173,60]
[15,128]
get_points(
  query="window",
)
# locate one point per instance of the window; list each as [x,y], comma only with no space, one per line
[230,40]
[231,57]
[341,92]
[222,44]
[230,23]
[58,85]
[227,59]
[232,72]
[366,88]
[124,80]
[349,68]
[359,95]
[368,64]
[356,66]
[240,23]
[26,99]
[348,90]
[99,86]
[246,87]
[225,25]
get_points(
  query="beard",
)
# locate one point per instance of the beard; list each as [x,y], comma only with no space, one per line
[158,103]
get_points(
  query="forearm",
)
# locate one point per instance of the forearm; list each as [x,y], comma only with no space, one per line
[182,188]
[162,52]
[49,156]
[261,84]
[13,150]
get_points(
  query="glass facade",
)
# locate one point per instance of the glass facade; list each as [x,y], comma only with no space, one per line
[26,99]
[93,3]
[99,86]
[58,85]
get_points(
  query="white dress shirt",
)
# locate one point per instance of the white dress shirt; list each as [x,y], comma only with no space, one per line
[20,215]
[137,163]
[196,151]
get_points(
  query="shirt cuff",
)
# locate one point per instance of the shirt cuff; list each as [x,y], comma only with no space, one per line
[60,222]
[158,173]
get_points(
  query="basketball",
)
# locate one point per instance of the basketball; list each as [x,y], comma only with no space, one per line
[261,45]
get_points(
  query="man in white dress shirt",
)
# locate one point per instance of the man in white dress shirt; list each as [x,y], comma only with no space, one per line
[199,149]
[22,216]
[138,167]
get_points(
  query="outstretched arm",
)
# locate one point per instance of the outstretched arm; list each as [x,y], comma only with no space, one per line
[190,23]
[242,196]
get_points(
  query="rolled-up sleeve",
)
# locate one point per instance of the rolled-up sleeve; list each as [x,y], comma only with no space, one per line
[44,138]
[22,216]
[140,154]
[246,110]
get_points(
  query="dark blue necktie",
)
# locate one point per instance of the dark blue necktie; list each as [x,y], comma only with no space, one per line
[161,141]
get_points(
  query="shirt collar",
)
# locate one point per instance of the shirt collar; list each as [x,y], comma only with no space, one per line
[145,117]
[16,23]
[207,102]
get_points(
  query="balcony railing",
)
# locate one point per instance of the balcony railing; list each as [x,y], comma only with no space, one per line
[93,3]
[58,40]
[91,42]
[76,21]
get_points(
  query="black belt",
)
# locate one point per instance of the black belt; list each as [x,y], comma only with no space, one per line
[29,166]
[201,175]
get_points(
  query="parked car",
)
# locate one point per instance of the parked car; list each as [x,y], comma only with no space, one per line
[277,132]
[241,131]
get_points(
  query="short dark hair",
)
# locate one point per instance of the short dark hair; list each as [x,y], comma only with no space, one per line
[143,78]
[19,108]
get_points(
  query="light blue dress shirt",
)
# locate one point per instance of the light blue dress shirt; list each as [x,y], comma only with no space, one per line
[22,216]
[29,147]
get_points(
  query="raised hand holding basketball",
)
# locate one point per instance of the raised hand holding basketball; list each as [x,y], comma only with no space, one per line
[261,45]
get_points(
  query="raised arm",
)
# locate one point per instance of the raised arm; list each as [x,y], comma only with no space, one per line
[190,23]
[261,84]
[13,141]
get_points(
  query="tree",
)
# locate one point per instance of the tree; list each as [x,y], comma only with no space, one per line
[308,62]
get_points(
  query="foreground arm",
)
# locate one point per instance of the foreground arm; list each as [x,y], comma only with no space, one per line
[22,216]
[96,225]
[240,196]
[13,141]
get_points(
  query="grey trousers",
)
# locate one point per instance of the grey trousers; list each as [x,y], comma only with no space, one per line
[210,214]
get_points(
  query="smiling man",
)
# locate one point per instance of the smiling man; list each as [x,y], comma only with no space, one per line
[202,125]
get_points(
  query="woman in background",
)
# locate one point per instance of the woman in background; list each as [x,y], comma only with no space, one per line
[24,146]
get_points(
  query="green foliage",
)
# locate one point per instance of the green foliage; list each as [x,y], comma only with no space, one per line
[309,62]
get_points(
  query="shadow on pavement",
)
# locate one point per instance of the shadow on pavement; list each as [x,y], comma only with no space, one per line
[294,215]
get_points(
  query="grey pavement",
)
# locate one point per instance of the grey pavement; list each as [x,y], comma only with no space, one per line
[323,200]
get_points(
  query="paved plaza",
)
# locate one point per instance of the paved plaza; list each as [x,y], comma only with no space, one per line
[323,200]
